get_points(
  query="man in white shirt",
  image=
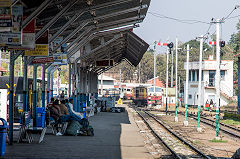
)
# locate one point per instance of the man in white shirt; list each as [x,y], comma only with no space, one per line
[71,109]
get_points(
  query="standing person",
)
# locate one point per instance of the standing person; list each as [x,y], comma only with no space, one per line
[211,104]
[207,105]
[62,95]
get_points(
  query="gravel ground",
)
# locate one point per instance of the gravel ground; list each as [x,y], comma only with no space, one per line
[201,140]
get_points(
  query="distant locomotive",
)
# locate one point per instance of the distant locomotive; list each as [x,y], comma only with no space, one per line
[139,95]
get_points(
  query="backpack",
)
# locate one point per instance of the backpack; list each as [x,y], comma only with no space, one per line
[73,128]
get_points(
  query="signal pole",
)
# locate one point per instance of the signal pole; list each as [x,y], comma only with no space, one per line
[155,43]
[172,73]
[186,93]
[199,129]
[217,76]
[176,81]
[168,50]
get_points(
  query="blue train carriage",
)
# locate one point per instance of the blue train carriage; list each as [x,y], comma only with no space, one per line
[18,96]
[139,95]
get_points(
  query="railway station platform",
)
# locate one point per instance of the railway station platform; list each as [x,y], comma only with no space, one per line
[116,136]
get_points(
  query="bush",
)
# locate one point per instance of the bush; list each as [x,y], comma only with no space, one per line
[231,116]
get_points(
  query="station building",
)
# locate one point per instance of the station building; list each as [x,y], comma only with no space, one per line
[208,87]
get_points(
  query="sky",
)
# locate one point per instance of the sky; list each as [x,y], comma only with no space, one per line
[161,29]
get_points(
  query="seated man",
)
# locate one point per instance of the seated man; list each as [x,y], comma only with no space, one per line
[68,113]
[71,111]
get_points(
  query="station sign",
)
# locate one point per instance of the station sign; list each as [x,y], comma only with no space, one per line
[43,60]
[104,63]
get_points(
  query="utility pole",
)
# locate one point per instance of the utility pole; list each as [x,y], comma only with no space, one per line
[176,81]
[186,93]
[155,43]
[199,129]
[168,50]
[217,76]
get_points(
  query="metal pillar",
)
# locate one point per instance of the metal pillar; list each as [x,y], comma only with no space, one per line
[218,76]
[70,81]
[43,85]
[25,84]
[48,86]
[200,83]
[51,84]
[238,108]
[176,81]
[34,94]
[167,79]
[186,93]
[11,98]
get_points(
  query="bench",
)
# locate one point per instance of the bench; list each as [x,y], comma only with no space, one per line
[26,129]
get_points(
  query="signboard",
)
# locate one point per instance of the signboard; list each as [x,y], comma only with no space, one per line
[17,14]
[104,63]
[40,50]
[43,60]
[41,47]
[14,36]
[60,59]
[56,43]
[5,15]
[28,37]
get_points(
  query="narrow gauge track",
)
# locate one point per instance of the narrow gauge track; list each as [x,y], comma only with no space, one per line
[179,148]
[229,130]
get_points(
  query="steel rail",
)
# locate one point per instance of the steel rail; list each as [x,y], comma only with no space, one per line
[159,138]
[178,137]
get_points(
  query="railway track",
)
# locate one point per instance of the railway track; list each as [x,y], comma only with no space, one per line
[178,147]
[227,129]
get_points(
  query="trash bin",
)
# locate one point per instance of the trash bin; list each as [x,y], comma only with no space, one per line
[3,135]
[40,117]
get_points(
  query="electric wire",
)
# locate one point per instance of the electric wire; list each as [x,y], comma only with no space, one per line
[186,21]
[228,16]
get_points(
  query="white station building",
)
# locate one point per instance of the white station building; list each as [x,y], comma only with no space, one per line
[208,88]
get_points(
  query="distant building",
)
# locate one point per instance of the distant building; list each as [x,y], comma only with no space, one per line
[108,83]
[208,87]
[158,82]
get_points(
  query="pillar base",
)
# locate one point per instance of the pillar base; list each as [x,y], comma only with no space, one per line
[218,138]
[199,129]
[176,119]
[185,123]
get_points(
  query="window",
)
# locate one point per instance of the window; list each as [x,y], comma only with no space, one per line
[189,78]
[193,75]
[197,75]
[211,82]
[190,96]
[222,73]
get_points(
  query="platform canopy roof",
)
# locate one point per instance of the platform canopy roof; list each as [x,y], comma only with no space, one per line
[93,29]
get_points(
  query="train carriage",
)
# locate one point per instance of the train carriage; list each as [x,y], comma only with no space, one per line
[139,95]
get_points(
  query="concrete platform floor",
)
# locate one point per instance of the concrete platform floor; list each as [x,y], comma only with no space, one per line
[116,136]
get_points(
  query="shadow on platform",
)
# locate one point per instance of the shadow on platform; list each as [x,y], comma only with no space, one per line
[105,143]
